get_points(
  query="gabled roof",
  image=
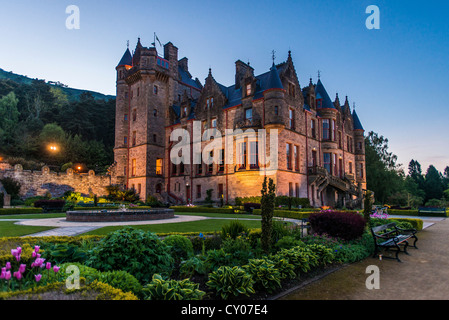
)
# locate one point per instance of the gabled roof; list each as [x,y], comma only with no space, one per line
[322,94]
[357,123]
[187,78]
[127,59]
[264,81]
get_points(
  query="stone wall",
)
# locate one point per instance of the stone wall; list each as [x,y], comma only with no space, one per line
[38,183]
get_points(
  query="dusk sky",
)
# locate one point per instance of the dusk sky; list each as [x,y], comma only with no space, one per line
[396,75]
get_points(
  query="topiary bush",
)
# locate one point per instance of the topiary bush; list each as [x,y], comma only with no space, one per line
[340,224]
[230,282]
[121,280]
[138,252]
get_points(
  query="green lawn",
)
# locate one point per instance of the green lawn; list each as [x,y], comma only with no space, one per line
[9,229]
[209,225]
[219,215]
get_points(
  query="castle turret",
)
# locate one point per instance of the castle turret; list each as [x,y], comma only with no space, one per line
[359,143]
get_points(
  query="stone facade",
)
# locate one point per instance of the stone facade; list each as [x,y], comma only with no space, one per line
[320,145]
[39,183]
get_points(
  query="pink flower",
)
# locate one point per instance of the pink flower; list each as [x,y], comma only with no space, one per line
[56,269]
[14,252]
[34,254]
[18,257]
[18,275]
[3,273]
[38,277]
[19,250]
[22,268]
[48,266]
[36,249]
[8,265]
[7,275]
[39,262]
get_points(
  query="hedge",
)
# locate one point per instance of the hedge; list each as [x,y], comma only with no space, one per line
[55,291]
[397,212]
[202,209]
[8,211]
[418,224]
[287,213]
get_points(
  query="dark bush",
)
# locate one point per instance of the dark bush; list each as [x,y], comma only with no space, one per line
[343,225]
[249,205]
[49,204]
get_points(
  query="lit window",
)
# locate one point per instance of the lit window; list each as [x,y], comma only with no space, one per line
[159,166]
[248,89]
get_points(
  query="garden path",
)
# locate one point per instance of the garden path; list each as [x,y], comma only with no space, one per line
[422,275]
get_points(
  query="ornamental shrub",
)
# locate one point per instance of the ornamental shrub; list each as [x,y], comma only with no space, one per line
[300,257]
[160,289]
[181,248]
[231,282]
[122,280]
[264,273]
[233,229]
[344,225]
[138,252]
[192,266]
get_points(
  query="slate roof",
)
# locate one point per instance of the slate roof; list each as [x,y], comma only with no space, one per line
[321,93]
[127,59]
[357,123]
[187,78]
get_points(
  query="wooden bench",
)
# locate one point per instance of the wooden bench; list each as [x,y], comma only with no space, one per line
[395,238]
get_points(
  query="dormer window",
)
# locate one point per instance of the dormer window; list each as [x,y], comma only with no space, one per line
[248,89]
[319,103]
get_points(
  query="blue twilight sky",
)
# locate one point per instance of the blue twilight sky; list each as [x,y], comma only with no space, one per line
[397,76]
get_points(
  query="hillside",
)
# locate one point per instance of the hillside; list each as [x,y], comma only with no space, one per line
[71,93]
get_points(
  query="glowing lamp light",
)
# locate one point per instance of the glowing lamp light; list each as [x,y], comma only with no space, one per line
[53,148]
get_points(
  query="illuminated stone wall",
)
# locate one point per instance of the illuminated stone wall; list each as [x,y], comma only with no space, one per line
[38,183]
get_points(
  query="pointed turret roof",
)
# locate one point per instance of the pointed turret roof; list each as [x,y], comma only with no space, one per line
[357,123]
[321,93]
[274,81]
[127,59]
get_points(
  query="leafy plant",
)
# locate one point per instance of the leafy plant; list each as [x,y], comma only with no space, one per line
[230,282]
[239,249]
[138,252]
[181,248]
[233,229]
[302,259]
[193,265]
[265,274]
[160,289]
[325,255]
[218,257]
[64,252]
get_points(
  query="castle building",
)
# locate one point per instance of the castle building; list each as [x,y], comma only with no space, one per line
[320,142]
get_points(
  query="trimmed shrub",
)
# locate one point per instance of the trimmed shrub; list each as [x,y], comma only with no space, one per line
[122,280]
[58,291]
[287,213]
[138,252]
[202,209]
[248,205]
[10,211]
[291,202]
[344,225]
[230,282]
[50,204]
[193,265]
